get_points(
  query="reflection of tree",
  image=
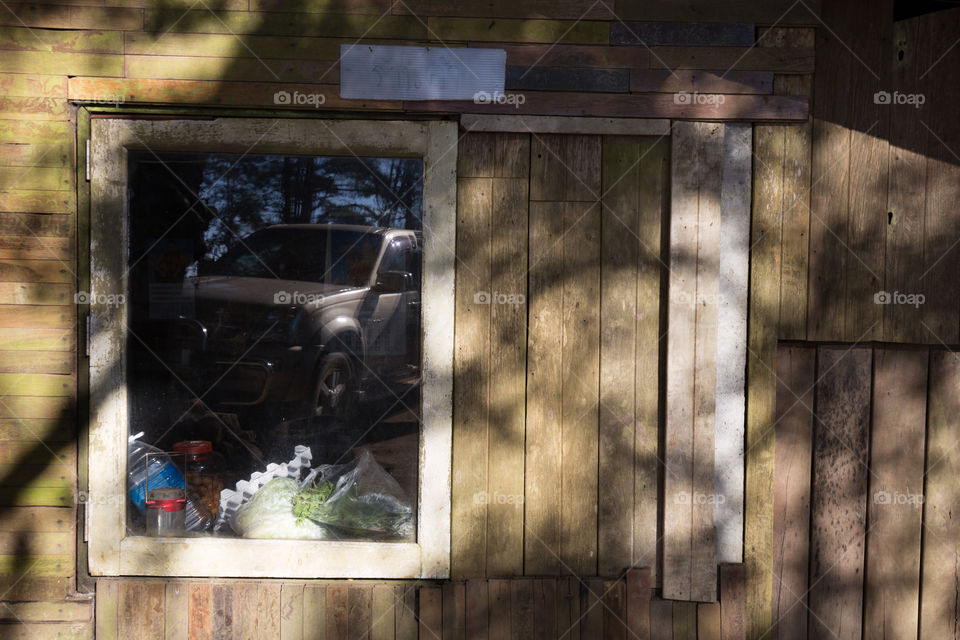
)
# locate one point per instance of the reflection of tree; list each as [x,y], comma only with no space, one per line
[251,192]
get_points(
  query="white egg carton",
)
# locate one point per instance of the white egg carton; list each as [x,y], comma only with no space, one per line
[231,500]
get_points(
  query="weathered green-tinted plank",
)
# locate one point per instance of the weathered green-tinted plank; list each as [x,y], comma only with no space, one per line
[44,62]
[60,41]
[36,496]
[55,474]
[26,612]
[28,224]
[41,565]
[35,247]
[786,60]
[37,362]
[35,271]
[701,81]
[775,11]
[42,154]
[35,407]
[36,316]
[57,431]
[108,593]
[531,10]
[71,17]
[229,46]
[38,519]
[292,24]
[40,294]
[18,131]
[661,33]
[64,631]
[37,178]
[377,7]
[32,589]
[226,69]
[38,201]
[32,108]
[549,31]
[34,85]
[35,384]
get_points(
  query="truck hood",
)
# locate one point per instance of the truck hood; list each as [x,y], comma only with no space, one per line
[265,292]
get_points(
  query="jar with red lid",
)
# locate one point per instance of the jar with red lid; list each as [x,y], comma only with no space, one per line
[165,512]
[203,468]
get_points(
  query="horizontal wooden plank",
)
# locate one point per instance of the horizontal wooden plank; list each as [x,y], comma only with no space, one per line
[34,108]
[30,339]
[36,496]
[41,565]
[237,69]
[195,92]
[16,131]
[35,407]
[786,37]
[60,41]
[33,430]
[230,46]
[36,452]
[45,62]
[224,5]
[36,201]
[34,543]
[541,78]
[71,17]
[529,9]
[42,154]
[733,107]
[35,384]
[60,631]
[35,271]
[572,125]
[37,247]
[35,85]
[781,60]
[37,362]
[572,55]
[37,178]
[669,81]
[548,31]
[37,317]
[682,33]
[55,475]
[375,7]
[20,224]
[17,588]
[56,611]
[284,24]
[769,12]
[27,293]
[39,519]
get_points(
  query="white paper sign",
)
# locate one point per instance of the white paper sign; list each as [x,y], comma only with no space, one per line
[387,72]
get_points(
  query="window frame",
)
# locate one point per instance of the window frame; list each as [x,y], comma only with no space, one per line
[111,552]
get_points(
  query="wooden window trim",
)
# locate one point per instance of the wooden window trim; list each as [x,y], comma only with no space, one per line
[111,551]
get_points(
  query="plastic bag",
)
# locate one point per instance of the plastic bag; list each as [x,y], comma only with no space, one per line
[269,514]
[363,500]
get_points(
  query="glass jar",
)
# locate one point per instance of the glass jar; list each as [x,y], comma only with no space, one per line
[203,469]
[165,512]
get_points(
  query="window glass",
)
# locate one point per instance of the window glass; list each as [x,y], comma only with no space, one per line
[274,305]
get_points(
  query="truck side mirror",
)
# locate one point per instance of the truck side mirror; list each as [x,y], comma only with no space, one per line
[391,282]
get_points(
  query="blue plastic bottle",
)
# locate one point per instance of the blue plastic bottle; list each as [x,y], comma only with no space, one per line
[163,473]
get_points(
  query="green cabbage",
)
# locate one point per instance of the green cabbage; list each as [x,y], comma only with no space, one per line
[269,514]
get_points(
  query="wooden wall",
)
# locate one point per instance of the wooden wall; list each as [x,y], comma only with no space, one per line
[865,487]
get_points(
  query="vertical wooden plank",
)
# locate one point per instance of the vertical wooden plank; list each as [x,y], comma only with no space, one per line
[291,611]
[838,503]
[791,498]
[941,260]
[508,357]
[685,621]
[638,583]
[477,610]
[499,623]
[521,609]
[338,611]
[382,624]
[199,611]
[939,608]
[544,390]
[614,610]
[545,609]
[268,611]
[312,618]
[176,605]
[732,602]
[654,203]
[618,318]
[108,593]
[430,612]
[895,504]
[581,362]
[591,608]
[708,621]
[761,388]
[703,561]
[906,198]
[568,608]
[359,611]
[129,603]
[678,456]
[454,610]
[731,342]
[221,615]
[471,371]
[661,619]
[405,614]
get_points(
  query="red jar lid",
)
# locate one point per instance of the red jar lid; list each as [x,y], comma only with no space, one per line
[193,447]
[166,505]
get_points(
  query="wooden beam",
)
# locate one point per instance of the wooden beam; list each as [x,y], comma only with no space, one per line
[572,125]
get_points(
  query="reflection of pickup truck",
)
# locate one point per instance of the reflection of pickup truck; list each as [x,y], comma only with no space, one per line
[305,319]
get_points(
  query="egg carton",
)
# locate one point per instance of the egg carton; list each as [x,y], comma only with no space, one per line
[232,499]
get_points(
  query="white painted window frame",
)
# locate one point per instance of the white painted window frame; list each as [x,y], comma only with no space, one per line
[111,551]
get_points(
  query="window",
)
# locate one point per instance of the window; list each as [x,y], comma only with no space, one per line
[274,286]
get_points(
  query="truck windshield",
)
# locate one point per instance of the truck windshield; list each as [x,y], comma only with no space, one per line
[337,256]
